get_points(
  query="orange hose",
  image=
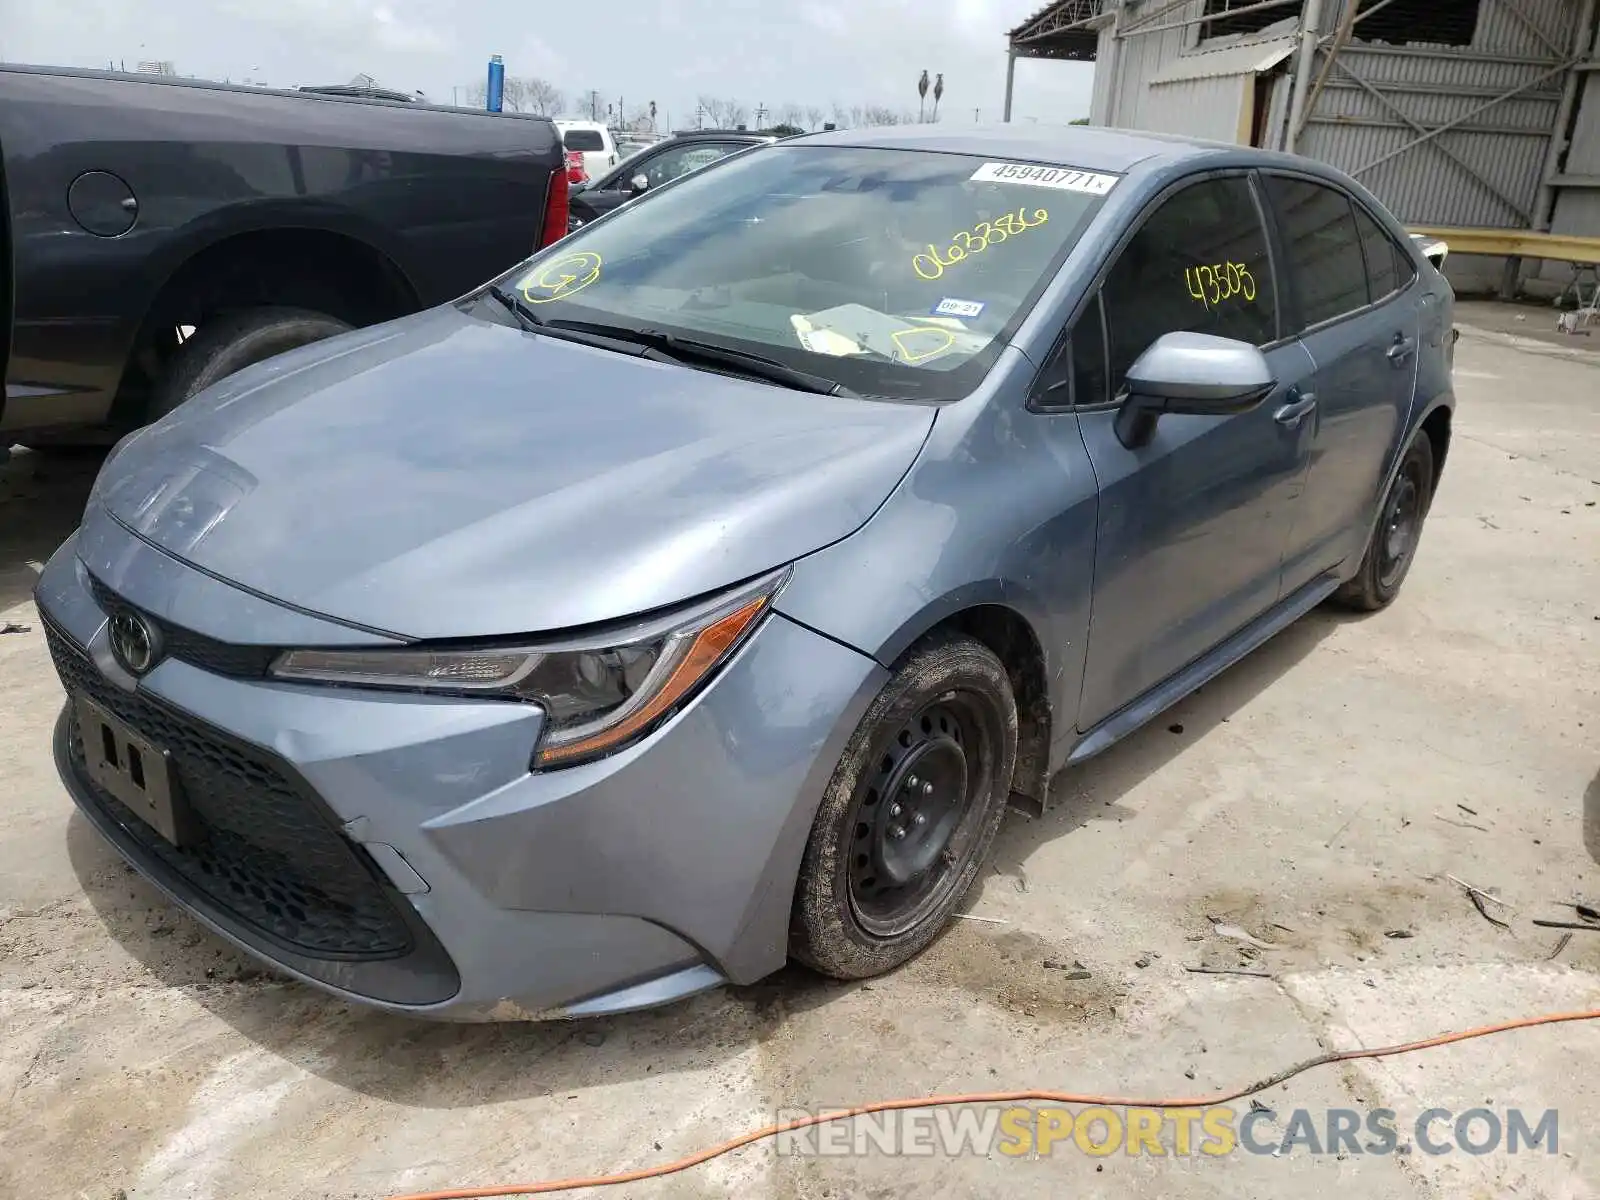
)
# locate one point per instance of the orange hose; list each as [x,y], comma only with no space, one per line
[756,1135]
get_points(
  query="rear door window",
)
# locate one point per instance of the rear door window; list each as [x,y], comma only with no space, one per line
[583,139]
[1322,246]
[1388,270]
[1200,264]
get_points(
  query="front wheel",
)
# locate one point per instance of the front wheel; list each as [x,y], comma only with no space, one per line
[1394,542]
[910,813]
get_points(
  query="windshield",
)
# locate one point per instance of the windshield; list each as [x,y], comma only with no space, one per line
[893,272]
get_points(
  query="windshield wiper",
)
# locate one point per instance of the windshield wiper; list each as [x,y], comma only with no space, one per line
[517,307]
[690,351]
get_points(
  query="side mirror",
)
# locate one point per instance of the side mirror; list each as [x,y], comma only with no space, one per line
[1193,373]
[639,183]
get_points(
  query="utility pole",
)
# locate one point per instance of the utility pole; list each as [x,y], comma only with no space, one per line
[975,113]
[761,116]
[594,105]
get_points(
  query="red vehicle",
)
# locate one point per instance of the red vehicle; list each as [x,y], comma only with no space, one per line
[575,169]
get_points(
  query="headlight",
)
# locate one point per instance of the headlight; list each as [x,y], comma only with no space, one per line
[98,485]
[599,693]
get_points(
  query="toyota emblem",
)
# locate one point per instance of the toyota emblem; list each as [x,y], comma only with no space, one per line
[133,643]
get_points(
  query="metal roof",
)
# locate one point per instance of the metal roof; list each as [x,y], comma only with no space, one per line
[1059,30]
[1251,58]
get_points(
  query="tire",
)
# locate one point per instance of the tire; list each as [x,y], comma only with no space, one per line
[948,713]
[1393,546]
[232,342]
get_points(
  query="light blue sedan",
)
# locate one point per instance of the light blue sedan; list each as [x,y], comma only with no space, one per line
[698,595]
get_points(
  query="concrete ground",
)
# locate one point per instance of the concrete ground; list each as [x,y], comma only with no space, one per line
[1315,796]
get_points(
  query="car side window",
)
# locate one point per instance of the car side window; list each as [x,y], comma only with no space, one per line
[1322,247]
[680,160]
[1388,270]
[1089,383]
[1200,264]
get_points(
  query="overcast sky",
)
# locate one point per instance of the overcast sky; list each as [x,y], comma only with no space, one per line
[768,52]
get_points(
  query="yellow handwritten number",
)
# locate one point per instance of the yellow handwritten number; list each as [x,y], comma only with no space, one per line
[1212,284]
[968,242]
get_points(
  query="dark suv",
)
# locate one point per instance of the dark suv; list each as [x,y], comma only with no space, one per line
[658,164]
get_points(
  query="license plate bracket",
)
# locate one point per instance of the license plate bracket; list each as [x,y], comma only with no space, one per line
[134,770]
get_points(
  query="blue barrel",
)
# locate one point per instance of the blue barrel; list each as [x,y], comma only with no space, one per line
[497,83]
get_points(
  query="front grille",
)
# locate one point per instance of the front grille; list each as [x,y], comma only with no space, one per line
[264,852]
[207,653]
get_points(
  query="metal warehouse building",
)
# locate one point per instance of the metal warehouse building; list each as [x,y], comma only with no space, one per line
[1456,113]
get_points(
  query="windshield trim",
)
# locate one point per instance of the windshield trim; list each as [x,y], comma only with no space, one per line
[917,383]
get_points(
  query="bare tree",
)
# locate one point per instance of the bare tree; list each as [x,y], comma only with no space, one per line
[791,114]
[841,116]
[877,114]
[514,94]
[478,94]
[543,97]
[813,116]
[724,114]
[639,120]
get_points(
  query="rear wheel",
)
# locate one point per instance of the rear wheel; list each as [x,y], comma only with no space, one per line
[910,813]
[230,343]
[1394,542]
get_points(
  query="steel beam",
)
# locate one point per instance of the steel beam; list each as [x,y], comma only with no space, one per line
[1427,136]
[1515,9]
[1431,134]
[1310,31]
[1346,24]
[1235,12]
[1583,45]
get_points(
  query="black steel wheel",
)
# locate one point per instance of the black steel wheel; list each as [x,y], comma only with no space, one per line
[1394,540]
[911,811]
[1401,524]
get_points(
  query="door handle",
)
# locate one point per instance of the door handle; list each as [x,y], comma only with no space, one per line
[1404,347]
[1298,408]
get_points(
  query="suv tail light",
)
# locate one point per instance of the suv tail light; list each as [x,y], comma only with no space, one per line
[575,169]
[555,210]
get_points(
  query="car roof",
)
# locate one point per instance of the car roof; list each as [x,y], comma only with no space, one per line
[720,134]
[1078,145]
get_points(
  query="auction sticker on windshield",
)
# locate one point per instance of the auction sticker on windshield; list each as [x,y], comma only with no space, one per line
[1061,178]
[952,307]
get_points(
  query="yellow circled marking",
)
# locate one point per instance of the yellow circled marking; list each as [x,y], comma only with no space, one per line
[559,279]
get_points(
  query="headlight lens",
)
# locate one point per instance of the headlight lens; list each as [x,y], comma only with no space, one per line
[599,693]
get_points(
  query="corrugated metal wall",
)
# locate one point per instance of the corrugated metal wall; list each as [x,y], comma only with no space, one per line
[1487,170]
[1207,108]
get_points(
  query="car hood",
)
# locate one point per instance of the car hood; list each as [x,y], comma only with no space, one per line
[443,476]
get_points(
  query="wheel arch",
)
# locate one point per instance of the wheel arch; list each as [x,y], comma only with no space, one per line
[324,262]
[1436,425]
[1007,620]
